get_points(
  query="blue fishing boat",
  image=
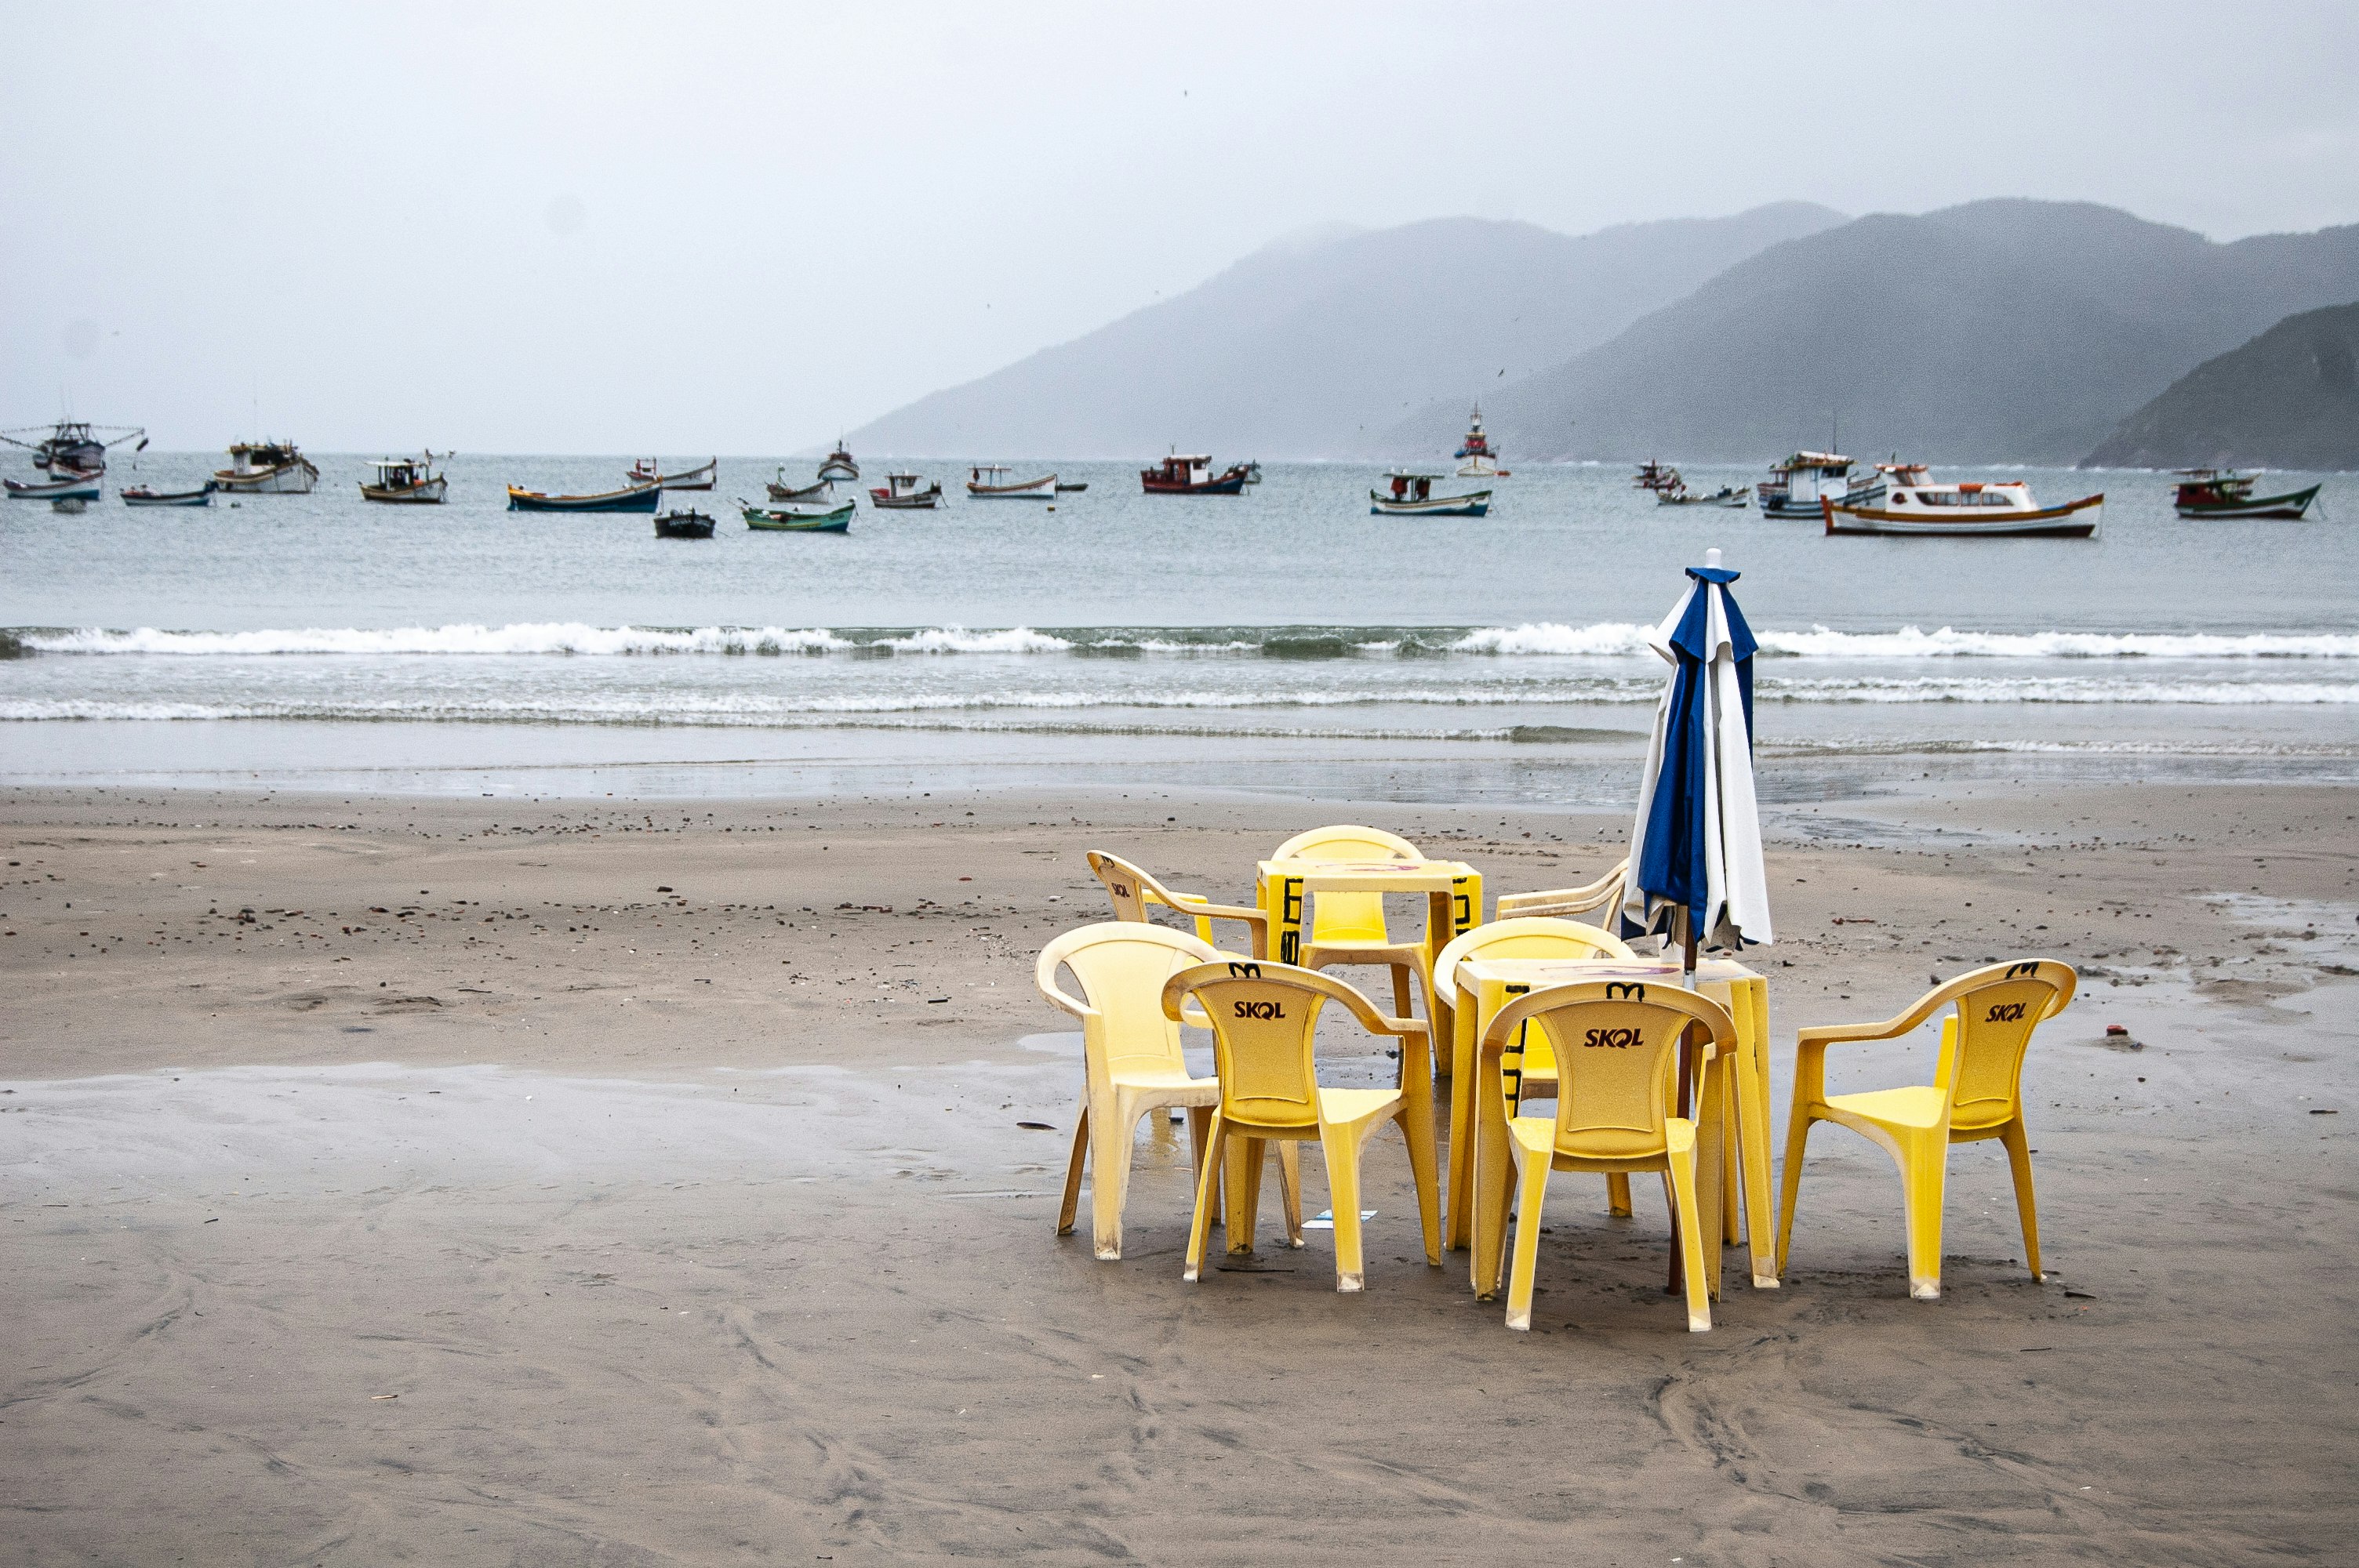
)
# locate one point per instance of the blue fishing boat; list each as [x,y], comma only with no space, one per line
[145,496]
[638,498]
[69,485]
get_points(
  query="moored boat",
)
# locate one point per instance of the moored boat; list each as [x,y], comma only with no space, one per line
[143,495]
[684,525]
[410,481]
[1679,494]
[648,470]
[1482,458]
[2224,492]
[1795,486]
[1411,495]
[72,447]
[907,491]
[839,464]
[68,486]
[1657,476]
[1190,473]
[2001,509]
[267,468]
[813,518]
[989,481]
[823,488]
[638,498]
[1078,486]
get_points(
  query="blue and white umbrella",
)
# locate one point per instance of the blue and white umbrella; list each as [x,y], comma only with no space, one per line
[1695,851]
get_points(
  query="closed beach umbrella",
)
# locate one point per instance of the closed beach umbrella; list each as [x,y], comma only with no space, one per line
[1695,851]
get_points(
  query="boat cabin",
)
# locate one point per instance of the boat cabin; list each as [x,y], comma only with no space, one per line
[1803,478]
[2011,495]
[401,474]
[897,485]
[262,456]
[990,476]
[1193,468]
[2213,487]
[1413,486]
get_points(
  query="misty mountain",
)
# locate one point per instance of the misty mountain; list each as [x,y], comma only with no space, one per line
[2288,399]
[1313,347]
[1998,331]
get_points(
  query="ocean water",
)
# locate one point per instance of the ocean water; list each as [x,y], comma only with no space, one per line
[1283,638]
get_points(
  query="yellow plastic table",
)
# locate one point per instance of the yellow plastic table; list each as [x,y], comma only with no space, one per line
[1453,893]
[1478,1176]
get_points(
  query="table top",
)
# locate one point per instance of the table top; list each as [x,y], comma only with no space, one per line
[1367,871]
[1574,971]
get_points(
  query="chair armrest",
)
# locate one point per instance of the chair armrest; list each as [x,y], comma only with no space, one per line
[1204,910]
[1044,980]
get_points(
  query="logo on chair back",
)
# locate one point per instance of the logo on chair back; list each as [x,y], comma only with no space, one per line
[2016,971]
[1259,1010]
[1245,971]
[1120,891]
[2006,1013]
[1619,989]
[1615,1039]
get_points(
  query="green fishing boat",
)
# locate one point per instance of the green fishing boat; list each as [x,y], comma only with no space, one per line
[808,517]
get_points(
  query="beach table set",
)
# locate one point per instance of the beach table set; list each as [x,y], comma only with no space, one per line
[1656,1057]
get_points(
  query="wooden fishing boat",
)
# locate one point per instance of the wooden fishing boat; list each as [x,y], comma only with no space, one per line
[839,464]
[68,486]
[142,495]
[1657,477]
[648,470]
[409,481]
[988,481]
[1192,474]
[1795,487]
[1995,511]
[638,498]
[684,525]
[1411,495]
[74,447]
[907,493]
[1482,458]
[1078,486]
[267,468]
[791,519]
[1680,495]
[821,490]
[2224,492]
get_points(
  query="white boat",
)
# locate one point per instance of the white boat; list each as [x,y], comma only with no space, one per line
[71,449]
[839,464]
[407,480]
[1903,499]
[1679,494]
[68,486]
[267,468]
[1411,495]
[1477,451]
[1796,485]
[907,493]
[649,471]
[989,481]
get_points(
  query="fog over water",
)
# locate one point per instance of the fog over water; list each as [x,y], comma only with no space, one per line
[743,228]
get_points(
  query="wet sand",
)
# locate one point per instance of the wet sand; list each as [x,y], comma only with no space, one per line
[574,1181]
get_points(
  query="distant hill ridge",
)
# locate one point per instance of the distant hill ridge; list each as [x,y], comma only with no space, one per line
[2288,399]
[1316,345]
[1997,331]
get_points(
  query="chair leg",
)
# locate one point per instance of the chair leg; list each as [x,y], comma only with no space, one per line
[1242,1177]
[1341,1145]
[1789,1182]
[1073,1175]
[1531,1190]
[1208,1187]
[1425,1177]
[1200,1127]
[1290,1189]
[1924,1180]
[2019,1159]
[1618,1193]
[1111,1128]
[1682,1178]
[1401,998]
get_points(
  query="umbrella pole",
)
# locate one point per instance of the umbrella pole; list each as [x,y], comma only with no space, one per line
[1678,1281]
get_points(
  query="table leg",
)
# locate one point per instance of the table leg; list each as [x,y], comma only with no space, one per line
[1463,1018]
[1752,1081]
[1710,1153]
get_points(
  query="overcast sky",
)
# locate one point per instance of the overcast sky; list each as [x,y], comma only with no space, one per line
[740,228]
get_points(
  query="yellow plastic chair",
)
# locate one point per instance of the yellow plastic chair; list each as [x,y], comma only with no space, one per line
[1527,937]
[1132,891]
[1976,1093]
[1264,1018]
[1131,1060]
[1604,893]
[1348,928]
[1616,1044]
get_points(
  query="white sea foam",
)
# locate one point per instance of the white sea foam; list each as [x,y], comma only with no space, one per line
[1544,639]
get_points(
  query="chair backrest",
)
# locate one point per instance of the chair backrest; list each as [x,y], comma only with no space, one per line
[1131,890]
[1605,893]
[1121,966]
[1617,1046]
[1983,1042]
[1347,917]
[1527,937]
[1265,1016]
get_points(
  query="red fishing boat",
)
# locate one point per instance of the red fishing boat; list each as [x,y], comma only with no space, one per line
[1192,474]
[2224,492]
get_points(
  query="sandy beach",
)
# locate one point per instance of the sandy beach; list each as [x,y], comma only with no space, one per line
[407,1180]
